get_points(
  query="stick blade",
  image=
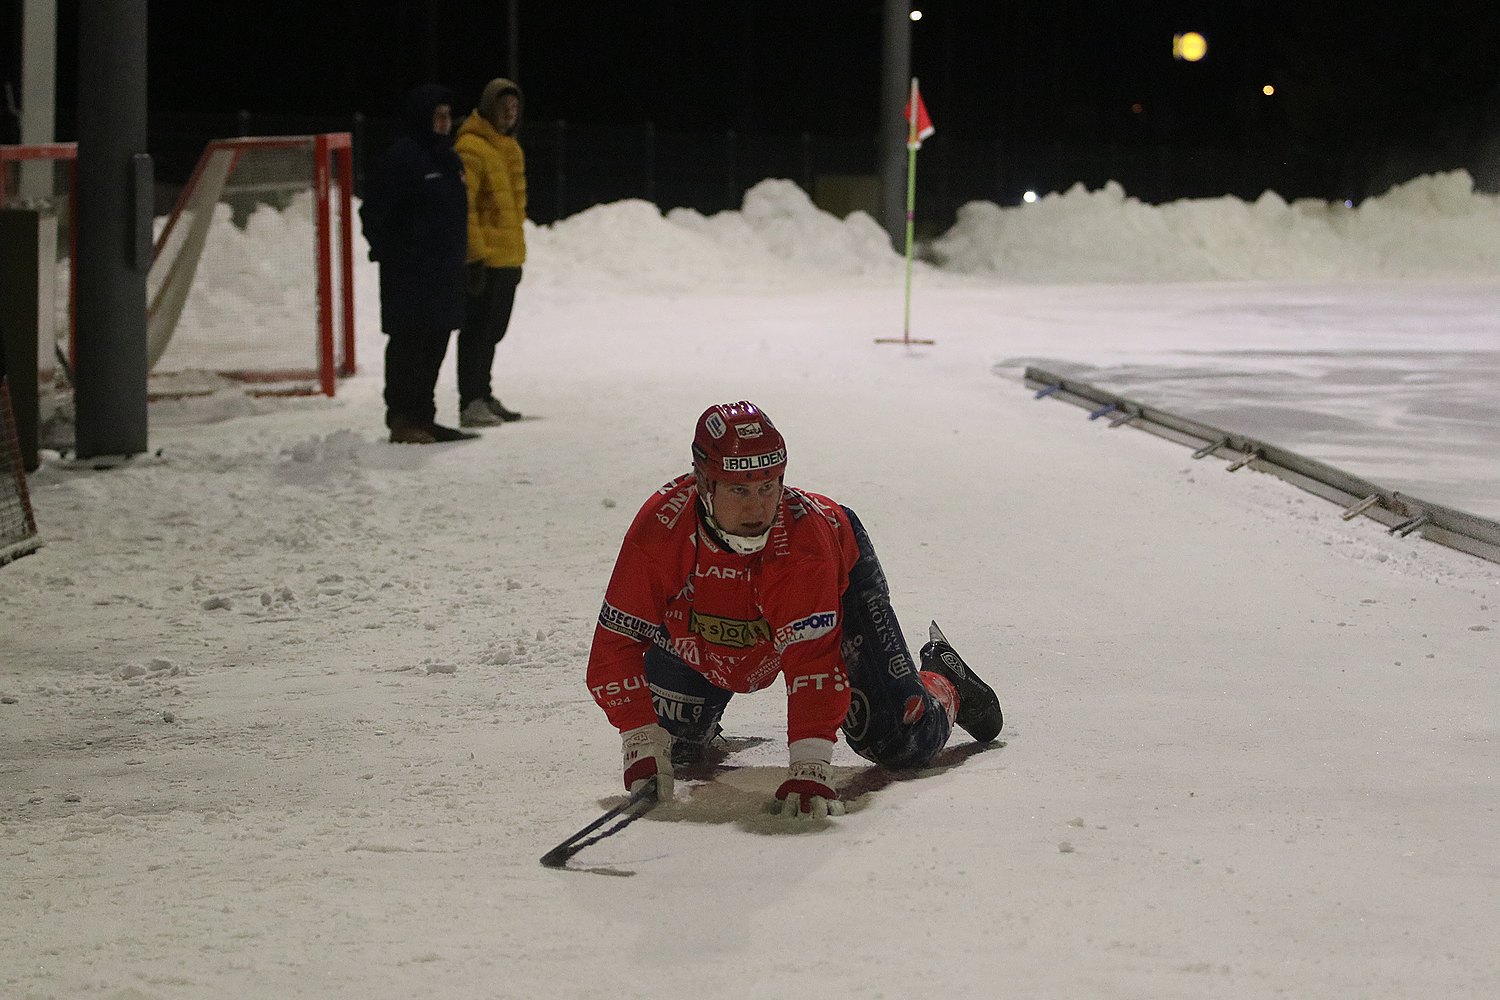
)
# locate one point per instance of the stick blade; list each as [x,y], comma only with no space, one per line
[557,857]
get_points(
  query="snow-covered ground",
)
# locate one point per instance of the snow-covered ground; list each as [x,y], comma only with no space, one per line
[289,711]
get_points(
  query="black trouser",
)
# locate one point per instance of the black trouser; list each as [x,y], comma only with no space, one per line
[412,361]
[893,720]
[486,318]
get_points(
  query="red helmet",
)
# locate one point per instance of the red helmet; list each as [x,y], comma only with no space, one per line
[737,443]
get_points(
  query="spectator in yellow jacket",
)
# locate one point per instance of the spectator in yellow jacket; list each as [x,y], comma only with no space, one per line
[495,172]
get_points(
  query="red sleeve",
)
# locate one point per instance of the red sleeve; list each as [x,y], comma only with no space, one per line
[807,618]
[817,689]
[635,604]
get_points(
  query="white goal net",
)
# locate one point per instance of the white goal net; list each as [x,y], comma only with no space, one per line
[17,524]
[224,296]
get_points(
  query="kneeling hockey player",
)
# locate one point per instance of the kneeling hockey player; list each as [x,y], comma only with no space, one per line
[728,577]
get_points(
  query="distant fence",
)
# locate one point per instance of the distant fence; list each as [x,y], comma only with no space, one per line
[571,166]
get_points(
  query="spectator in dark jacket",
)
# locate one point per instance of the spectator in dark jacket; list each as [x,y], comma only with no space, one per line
[415,217]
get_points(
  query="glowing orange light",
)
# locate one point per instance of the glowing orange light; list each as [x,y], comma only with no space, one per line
[1268,90]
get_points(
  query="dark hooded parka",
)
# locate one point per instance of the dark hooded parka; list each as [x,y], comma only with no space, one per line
[415,218]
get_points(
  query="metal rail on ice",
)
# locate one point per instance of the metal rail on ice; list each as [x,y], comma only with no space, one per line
[1401,513]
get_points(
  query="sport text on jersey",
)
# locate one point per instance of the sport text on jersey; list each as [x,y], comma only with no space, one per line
[814,625]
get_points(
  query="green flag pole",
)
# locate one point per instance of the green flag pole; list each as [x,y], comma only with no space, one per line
[911,214]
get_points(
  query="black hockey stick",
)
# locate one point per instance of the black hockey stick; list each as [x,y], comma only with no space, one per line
[559,855]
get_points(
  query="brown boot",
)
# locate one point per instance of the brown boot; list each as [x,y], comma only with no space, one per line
[412,435]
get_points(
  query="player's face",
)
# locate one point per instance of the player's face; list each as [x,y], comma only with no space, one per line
[746,508]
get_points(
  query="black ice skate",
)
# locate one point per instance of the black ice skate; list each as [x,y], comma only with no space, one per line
[978,708]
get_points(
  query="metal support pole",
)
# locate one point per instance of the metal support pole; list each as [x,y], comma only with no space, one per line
[114,232]
[895,78]
[38,94]
[513,41]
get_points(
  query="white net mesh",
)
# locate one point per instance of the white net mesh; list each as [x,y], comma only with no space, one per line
[17,526]
[224,295]
[47,183]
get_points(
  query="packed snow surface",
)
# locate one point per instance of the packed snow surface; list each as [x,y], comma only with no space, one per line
[286,710]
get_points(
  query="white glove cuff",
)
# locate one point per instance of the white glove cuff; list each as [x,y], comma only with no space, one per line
[648,735]
[811,750]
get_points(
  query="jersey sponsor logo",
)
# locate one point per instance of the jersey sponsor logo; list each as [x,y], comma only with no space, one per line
[761,675]
[672,710]
[816,682]
[857,721]
[670,511]
[684,648]
[624,623]
[731,632]
[754,463]
[605,693]
[801,504]
[726,572]
[887,632]
[750,430]
[817,624]
[687,650]
[726,661]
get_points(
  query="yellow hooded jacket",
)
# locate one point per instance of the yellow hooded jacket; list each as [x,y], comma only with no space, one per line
[495,173]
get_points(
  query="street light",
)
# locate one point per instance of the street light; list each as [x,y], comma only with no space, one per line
[1189,46]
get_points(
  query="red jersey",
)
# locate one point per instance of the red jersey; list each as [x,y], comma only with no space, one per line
[739,620]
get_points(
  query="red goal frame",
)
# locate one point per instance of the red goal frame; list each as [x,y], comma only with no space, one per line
[332,154]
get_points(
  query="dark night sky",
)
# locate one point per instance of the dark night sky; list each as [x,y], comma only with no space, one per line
[990,67]
[1050,71]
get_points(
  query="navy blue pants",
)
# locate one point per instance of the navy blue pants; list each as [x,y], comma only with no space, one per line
[412,360]
[893,720]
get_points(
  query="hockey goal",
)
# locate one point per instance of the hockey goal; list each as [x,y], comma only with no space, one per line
[253,273]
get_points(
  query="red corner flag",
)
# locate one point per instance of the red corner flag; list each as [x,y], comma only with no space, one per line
[922,127]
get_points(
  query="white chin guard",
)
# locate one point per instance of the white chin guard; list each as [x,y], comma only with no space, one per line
[746,544]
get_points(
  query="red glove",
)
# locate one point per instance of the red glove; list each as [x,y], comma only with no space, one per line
[648,754]
[808,792]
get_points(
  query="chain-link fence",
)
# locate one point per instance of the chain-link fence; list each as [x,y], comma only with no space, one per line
[572,166]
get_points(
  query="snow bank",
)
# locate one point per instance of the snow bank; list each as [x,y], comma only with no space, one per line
[778,238]
[1431,227]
